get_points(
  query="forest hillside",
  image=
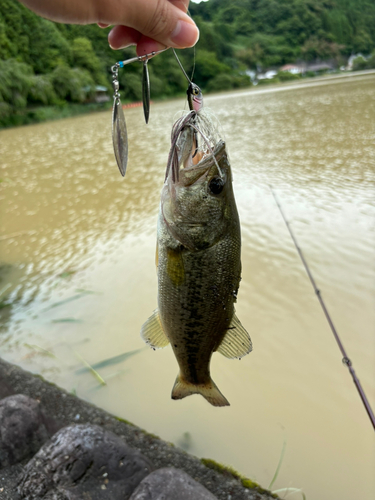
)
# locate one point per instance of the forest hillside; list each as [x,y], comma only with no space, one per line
[46,65]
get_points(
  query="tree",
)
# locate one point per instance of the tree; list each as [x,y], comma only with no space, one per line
[70,83]
[5,44]
[84,57]
[41,90]
[15,83]
[207,67]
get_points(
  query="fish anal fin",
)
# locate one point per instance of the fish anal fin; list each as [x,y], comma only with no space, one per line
[209,391]
[152,332]
[236,342]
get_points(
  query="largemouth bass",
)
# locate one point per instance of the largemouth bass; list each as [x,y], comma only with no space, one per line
[199,268]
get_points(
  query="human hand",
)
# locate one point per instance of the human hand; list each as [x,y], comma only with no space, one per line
[151,25]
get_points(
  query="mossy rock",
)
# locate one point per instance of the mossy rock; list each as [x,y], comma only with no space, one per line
[228,471]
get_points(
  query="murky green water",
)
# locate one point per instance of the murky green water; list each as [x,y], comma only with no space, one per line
[77,250]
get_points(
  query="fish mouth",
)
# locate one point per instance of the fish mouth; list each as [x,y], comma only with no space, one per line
[207,160]
[184,147]
[191,174]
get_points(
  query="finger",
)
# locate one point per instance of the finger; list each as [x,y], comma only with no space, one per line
[164,21]
[122,36]
[147,45]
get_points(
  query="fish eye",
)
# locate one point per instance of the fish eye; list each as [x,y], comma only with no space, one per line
[195,90]
[216,185]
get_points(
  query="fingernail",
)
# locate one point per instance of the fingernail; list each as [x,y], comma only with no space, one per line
[185,34]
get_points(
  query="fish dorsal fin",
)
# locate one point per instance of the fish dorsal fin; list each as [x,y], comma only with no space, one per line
[236,342]
[152,332]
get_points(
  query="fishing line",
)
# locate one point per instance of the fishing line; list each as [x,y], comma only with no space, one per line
[345,358]
[180,64]
[192,73]
[209,148]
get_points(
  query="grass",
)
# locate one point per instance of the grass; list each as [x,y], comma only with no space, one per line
[111,361]
[91,369]
[278,465]
[290,491]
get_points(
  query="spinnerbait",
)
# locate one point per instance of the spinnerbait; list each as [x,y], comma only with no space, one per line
[119,132]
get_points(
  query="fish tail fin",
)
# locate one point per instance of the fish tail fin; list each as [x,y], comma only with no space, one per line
[209,391]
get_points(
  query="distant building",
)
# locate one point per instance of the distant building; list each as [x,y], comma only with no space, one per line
[320,67]
[251,73]
[293,69]
[99,95]
[268,75]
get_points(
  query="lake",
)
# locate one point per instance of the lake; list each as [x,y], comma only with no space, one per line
[77,247]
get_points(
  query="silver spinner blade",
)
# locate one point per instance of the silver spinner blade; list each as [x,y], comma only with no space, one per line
[119,136]
[146,91]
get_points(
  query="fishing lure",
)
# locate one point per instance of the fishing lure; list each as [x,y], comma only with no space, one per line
[119,131]
[195,100]
[194,93]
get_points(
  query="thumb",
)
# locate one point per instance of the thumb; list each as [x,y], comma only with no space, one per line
[162,20]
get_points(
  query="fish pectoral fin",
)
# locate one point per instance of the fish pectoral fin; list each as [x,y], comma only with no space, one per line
[236,342]
[152,332]
[209,391]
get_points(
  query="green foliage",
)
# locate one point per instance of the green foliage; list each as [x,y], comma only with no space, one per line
[317,48]
[47,47]
[69,83]
[286,76]
[361,63]
[84,57]
[131,86]
[371,61]
[270,50]
[208,67]
[15,83]
[226,81]
[29,38]
[5,45]
[340,25]
[41,90]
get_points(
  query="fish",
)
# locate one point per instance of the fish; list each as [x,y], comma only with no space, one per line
[198,263]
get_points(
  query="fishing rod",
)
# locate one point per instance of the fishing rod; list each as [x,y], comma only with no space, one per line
[346,360]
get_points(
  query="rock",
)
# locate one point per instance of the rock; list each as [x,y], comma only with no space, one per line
[84,462]
[5,390]
[22,429]
[170,484]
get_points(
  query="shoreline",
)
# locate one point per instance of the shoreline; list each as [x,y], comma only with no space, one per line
[66,409]
[44,114]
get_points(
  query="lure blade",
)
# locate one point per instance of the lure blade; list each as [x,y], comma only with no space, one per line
[119,136]
[146,91]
